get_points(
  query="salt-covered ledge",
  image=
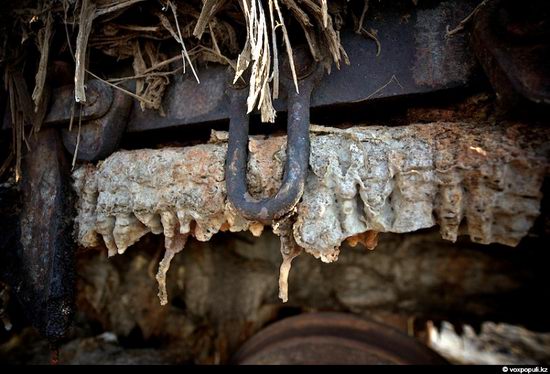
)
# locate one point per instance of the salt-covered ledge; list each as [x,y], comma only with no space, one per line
[474,179]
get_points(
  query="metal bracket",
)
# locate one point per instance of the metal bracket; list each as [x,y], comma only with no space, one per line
[100,100]
[298,145]
[100,137]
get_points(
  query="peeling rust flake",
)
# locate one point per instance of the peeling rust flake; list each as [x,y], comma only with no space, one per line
[477,179]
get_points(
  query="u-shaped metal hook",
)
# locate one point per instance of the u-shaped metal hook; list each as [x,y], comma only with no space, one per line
[297,160]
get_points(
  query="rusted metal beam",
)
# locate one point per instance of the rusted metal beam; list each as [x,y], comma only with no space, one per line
[415,58]
[63,108]
[40,267]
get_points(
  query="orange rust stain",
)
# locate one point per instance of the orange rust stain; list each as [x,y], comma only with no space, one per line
[368,238]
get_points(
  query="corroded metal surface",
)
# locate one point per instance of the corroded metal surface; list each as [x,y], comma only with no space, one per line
[298,148]
[99,137]
[100,98]
[332,338]
[63,108]
[40,267]
[415,58]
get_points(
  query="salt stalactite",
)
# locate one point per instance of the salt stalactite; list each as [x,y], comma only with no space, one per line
[173,244]
[289,251]
[477,179]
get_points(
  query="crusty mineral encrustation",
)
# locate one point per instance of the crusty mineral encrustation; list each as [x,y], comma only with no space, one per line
[479,179]
[495,344]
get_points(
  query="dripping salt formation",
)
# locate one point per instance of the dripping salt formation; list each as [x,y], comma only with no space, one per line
[361,181]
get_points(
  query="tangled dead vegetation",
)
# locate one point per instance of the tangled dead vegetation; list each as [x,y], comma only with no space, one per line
[61,41]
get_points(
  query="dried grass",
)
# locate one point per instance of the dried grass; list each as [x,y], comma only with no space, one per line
[248,35]
[211,26]
[220,21]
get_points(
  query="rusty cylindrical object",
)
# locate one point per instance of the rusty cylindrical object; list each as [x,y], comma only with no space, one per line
[333,338]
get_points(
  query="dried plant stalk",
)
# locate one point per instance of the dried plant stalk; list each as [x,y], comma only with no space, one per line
[87,12]
[44,39]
